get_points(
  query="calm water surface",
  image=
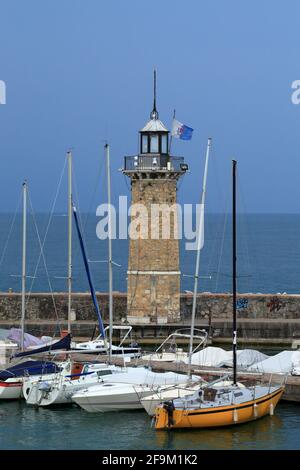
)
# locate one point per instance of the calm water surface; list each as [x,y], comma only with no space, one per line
[268,255]
[24,427]
[269,261]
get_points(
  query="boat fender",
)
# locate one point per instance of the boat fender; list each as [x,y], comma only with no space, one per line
[169,407]
[255,410]
[44,387]
[235,416]
[271,409]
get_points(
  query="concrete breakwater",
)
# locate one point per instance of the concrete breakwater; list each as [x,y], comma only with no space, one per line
[273,318]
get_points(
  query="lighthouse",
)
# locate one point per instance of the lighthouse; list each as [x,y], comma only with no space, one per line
[153,276]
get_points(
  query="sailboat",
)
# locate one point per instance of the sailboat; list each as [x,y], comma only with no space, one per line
[125,391]
[150,402]
[11,379]
[221,403]
[168,350]
[74,375]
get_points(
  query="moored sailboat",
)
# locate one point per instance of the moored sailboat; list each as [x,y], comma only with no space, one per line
[60,386]
[150,402]
[233,403]
[22,344]
[124,392]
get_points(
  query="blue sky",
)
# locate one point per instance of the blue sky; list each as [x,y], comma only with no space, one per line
[79,72]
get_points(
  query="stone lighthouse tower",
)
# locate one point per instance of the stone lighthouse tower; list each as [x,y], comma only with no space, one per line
[153,265]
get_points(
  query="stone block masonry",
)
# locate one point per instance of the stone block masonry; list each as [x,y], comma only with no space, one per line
[153,263]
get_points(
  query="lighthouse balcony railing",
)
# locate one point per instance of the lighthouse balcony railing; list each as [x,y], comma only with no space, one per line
[154,163]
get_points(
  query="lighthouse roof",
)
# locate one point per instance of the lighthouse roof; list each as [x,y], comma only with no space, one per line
[154,125]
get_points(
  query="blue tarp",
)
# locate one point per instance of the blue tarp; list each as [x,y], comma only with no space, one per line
[29,368]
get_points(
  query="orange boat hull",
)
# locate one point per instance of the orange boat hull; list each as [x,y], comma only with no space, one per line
[218,416]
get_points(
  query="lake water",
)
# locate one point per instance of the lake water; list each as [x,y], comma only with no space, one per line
[24,427]
[268,261]
[268,255]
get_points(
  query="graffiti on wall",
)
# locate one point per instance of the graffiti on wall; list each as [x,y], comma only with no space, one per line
[242,303]
[274,305]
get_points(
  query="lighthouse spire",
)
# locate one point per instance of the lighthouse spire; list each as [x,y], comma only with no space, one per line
[154,113]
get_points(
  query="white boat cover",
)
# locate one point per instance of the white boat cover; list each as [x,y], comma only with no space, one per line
[210,357]
[245,358]
[143,376]
[281,363]
[218,357]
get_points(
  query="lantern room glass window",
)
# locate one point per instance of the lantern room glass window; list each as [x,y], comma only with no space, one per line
[144,144]
[164,144]
[154,143]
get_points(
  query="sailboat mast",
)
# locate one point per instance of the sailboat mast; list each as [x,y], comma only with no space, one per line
[24,263]
[69,156]
[110,273]
[199,246]
[234,327]
[88,273]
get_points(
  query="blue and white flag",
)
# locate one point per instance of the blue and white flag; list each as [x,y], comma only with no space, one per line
[181,131]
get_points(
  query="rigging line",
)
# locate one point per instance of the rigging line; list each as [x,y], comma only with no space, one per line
[230,275]
[50,219]
[10,230]
[222,246]
[245,231]
[43,256]
[224,210]
[82,226]
[99,178]
[214,238]
[245,228]
[208,237]
[84,223]
[218,232]
[45,237]
[80,223]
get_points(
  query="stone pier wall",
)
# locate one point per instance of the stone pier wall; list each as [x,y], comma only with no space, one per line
[40,306]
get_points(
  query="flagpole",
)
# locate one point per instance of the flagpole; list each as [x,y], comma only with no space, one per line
[171,137]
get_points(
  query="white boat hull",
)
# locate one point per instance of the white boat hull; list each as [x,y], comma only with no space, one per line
[57,395]
[58,388]
[121,397]
[126,393]
[11,389]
